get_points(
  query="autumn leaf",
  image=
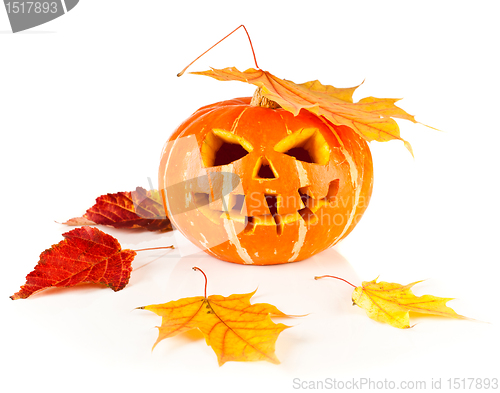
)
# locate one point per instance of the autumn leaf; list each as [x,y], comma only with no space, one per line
[392,303]
[235,329]
[86,255]
[136,209]
[371,117]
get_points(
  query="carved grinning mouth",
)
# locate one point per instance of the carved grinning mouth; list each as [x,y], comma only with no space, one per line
[234,208]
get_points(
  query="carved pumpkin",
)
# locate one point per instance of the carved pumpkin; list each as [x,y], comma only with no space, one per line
[300,184]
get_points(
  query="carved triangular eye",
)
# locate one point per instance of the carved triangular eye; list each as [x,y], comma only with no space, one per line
[307,145]
[222,148]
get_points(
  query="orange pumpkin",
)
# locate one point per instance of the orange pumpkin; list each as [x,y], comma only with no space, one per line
[257,185]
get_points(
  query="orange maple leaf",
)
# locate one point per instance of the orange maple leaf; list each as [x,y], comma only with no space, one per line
[392,303]
[371,118]
[235,329]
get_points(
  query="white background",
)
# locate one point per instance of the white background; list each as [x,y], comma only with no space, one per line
[86,103]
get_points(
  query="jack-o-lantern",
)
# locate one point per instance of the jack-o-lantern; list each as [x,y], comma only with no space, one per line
[299,183]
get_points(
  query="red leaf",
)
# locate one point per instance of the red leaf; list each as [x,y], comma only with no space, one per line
[86,255]
[136,209]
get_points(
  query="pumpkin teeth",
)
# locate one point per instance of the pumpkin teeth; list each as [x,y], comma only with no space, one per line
[256,204]
[289,218]
[306,208]
[289,204]
[237,202]
[202,202]
[279,224]
[315,204]
[266,220]
[305,193]
[308,216]
[250,227]
[272,203]
[333,190]
[234,215]
[201,199]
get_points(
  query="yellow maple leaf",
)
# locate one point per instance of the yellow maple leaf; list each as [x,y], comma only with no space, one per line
[391,303]
[235,329]
[371,118]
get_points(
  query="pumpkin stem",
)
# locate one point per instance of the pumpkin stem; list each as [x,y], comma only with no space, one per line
[259,100]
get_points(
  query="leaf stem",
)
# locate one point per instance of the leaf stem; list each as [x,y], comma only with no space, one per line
[338,278]
[251,46]
[154,248]
[206,279]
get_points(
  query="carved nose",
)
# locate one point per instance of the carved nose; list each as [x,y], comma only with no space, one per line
[264,169]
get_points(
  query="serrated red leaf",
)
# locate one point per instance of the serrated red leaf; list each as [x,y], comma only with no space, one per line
[86,255]
[136,209]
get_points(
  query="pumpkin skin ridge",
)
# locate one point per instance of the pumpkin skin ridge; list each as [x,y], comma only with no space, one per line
[206,109]
[264,246]
[367,189]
